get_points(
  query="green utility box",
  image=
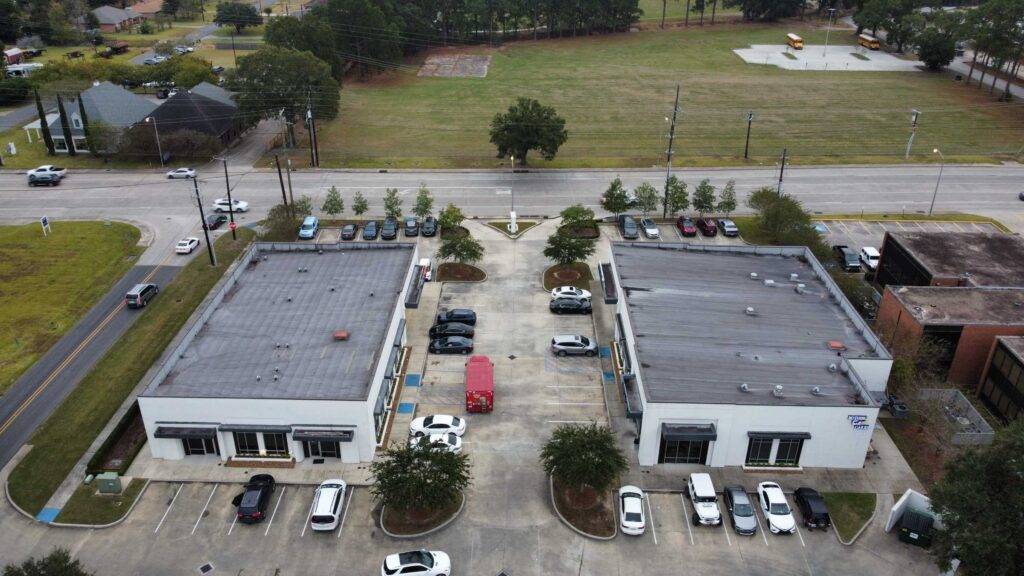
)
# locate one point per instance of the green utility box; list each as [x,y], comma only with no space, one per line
[108,483]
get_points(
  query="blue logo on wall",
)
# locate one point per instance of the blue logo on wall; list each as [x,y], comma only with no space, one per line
[859,421]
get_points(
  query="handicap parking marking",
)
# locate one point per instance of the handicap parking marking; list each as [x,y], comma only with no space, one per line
[168,510]
[686,519]
[270,522]
[344,513]
[205,506]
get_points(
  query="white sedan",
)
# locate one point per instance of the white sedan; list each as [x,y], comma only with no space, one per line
[437,424]
[570,292]
[187,245]
[222,205]
[776,509]
[49,169]
[182,173]
[419,562]
[631,511]
[449,442]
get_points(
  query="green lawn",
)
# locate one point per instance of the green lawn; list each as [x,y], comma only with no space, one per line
[849,511]
[676,10]
[225,58]
[65,436]
[616,90]
[50,282]
[32,154]
[86,506]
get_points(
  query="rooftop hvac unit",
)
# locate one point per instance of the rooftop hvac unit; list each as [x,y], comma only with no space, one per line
[753,276]
[817,391]
[744,387]
[750,311]
[793,277]
[801,288]
[833,368]
[769,282]
[777,391]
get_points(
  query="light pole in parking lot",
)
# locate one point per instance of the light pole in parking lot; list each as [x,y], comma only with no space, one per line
[831,13]
[156,132]
[942,164]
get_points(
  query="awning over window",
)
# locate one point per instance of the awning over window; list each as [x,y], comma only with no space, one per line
[184,432]
[254,428]
[323,435]
[412,295]
[392,358]
[611,294]
[689,432]
[780,435]
[631,395]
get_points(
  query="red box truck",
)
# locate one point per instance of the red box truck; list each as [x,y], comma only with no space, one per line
[479,384]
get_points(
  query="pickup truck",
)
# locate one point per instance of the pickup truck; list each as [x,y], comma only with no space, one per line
[847,257]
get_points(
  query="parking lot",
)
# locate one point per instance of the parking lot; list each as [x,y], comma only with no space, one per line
[669,233]
[859,233]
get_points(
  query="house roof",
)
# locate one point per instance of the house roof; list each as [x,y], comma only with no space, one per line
[108,104]
[12,51]
[272,334]
[188,111]
[113,14]
[215,92]
[147,7]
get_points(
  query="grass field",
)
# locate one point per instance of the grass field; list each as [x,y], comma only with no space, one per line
[50,282]
[676,10]
[68,432]
[32,154]
[849,511]
[86,506]
[616,90]
[224,58]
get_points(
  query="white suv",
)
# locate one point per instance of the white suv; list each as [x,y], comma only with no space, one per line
[327,504]
[705,502]
[869,256]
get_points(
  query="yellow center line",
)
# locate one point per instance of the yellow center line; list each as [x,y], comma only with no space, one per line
[74,354]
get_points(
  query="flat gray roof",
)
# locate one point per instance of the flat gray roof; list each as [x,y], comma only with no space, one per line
[987,258]
[278,320]
[697,344]
[970,305]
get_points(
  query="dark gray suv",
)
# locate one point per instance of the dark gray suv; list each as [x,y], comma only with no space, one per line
[741,511]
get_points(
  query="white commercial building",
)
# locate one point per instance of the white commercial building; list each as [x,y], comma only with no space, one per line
[295,355]
[742,356]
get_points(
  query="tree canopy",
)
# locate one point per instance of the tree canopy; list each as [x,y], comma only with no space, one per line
[677,198]
[333,203]
[647,198]
[56,563]
[767,10]
[528,125]
[311,33]
[419,478]
[392,203]
[614,199]
[704,197]
[583,455]
[463,249]
[566,250]
[238,15]
[424,202]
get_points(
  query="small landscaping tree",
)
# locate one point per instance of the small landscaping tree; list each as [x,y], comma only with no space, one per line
[359,204]
[43,126]
[238,15]
[577,216]
[419,480]
[462,249]
[727,199]
[614,199]
[392,203]
[704,197]
[57,563]
[65,127]
[677,198]
[424,202]
[784,221]
[333,203]
[450,218]
[647,198]
[583,456]
[528,125]
[566,250]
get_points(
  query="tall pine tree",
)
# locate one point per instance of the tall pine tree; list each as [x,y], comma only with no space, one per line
[43,126]
[65,127]
[85,122]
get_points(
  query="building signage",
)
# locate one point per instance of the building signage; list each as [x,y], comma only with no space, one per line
[859,421]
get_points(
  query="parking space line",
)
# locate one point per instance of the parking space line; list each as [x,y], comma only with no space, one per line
[344,513]
[591,386]
[274,513]
[233,520]
[168,511]
[846,229]
[919,225]
[686,519]
[203,511]
[650,511]
[959,227]
[576,403]
[802,543]
[308,517]
[976,227]
[761,529]
[900,224]
[726,530]
[864,226]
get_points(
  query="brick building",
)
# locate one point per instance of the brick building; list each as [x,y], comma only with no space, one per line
[950,259]
[1002,386]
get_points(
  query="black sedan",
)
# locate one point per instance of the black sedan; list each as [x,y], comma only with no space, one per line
[451,345]
[451,329]
[570,306]
[348,231]
[389,231]
[812,508]
[412,226]
[429,227]
[370,230]
[463,315]
[214,221]
[252,504]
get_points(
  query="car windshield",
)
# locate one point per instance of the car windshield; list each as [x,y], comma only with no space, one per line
[584,340]
[706,499]
[779,508]
[428,421]
[456,421]
[417,557]
[743,510]
[322,519]
[307,226]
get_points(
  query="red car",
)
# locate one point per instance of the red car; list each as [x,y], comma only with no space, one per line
[707,226]
[686,226]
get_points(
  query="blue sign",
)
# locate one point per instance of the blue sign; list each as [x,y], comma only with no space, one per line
[859,421]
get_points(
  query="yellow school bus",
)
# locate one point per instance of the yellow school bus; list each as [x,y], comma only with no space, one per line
[795,41]
[868,41]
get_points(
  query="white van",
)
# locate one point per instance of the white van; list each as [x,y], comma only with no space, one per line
[705,501]
[327,504]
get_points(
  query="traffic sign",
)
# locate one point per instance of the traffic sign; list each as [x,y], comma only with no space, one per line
[45,222]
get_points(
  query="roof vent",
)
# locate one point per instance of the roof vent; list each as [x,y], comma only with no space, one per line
[777,391]
[258,378]
[750,311]
[836,346]
[744,387]
[817,391]
[288,299]
[276,377]
[753,276]
[801,288]
[833,368]
[340,335]
[793,277]
[769,282]
[320,251]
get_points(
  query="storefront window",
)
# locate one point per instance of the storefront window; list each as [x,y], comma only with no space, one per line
[246,444]
[275,443]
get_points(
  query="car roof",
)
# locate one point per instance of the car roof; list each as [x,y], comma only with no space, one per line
[870,250]
[567,338]
[138,288]
[702,482]
[309,219]
[738,493]
[325,496]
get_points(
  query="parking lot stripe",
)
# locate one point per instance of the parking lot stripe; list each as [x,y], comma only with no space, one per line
[761,529]
[802,543]
[274,513]
[686,519]
[959,227]
[846,229]
[726,530]
[344,513]
[309,517]
[168,511]
[900,224]
[591,386]
[205,506]
[233,520]
[650,511]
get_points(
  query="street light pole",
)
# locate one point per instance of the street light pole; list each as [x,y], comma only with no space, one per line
[831,13]
[913,130]
[782,170]
[159,150]
[668,154]
[746,147]
[942,164]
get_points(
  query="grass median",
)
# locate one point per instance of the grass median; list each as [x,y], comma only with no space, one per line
[86,506]
[67,434]
[50,282]
[849,511]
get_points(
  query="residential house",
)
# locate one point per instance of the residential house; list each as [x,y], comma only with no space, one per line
[148,8]
[189,110]
[215,92]
[113,19]
[14,56]
[105,103]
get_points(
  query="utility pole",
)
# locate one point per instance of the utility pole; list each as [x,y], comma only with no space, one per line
[831,13]
[668,154]
[231,204]
[782,170]
[312,134]
[935,194]
[913,131]
[309,128]
[291,197]
[280,178]
[746,147]
[234,55]
[202,217]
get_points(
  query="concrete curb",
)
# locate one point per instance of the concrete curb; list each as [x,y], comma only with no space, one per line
[111,524]
[870,520]
[509,236]
[551,491]
[437,528]
[7,493]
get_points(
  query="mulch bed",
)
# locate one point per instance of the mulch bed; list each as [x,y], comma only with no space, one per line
[580,231]
[576,274]
[406,522]
[588,512]
[458,232]
[456,272]
[127,444]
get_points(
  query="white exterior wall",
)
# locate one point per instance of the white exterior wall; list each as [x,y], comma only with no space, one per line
[834,442]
